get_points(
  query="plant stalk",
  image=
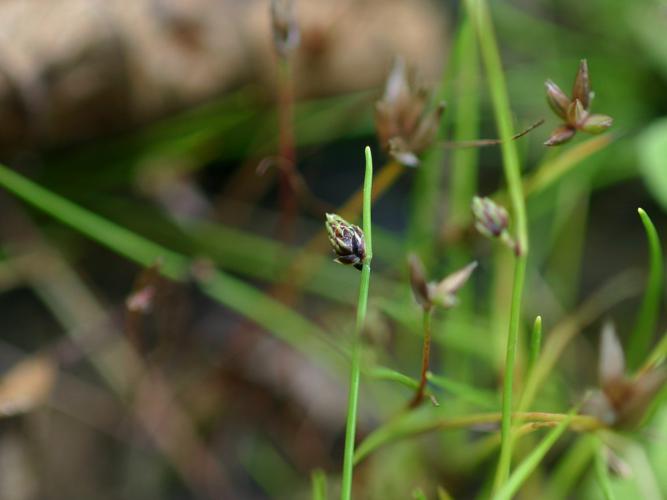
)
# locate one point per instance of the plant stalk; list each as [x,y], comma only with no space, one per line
[498,89]
[353,395]
[426,356]
[287,150]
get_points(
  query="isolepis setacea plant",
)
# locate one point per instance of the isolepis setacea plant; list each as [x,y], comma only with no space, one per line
[407,125]
[406,128]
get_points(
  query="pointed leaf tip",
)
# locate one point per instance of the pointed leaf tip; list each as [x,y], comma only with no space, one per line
[611,366]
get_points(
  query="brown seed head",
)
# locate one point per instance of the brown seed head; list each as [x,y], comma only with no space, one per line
[286,35]
[404,124]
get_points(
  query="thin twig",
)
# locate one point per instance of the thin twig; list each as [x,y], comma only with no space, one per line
[480,143]
[426,355]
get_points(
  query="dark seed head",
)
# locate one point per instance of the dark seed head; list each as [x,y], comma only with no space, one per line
[347,241]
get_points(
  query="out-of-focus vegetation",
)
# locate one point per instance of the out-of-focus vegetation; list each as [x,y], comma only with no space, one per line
[173,325]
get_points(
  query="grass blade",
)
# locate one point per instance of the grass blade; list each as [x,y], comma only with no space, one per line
[648,312]
[602,474]
[478,397]
[287,325]
[319,485]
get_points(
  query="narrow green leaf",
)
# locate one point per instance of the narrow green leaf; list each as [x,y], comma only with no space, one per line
[319,484]
[648,313]
[485,399]
[571,466]
[287,325]
[382,373]
[115,237]
[418,494]
[602,473]
[526,468]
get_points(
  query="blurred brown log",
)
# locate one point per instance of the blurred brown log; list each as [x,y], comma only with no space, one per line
[76,69]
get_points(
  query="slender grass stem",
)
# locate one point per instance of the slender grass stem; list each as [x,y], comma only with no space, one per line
[413,424]
[286,146]
[498,89]
[464,161]
[298,272]
[426,356]
[353,396]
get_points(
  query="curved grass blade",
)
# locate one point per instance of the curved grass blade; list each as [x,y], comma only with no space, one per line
[648,312]
[287,325]
[553,170]
[478,397]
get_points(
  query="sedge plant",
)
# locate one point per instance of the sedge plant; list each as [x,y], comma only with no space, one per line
[354,246]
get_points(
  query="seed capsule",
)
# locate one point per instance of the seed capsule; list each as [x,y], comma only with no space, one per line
[347,241]
[596,124]
[286,35]
[490,219]
[557,99]
[575,112]
[582,86]
[560,136]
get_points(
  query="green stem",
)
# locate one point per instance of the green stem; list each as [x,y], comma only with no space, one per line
[318,480]
[464,161]
[353,397]
[512,168]
[287,150]
[426,356]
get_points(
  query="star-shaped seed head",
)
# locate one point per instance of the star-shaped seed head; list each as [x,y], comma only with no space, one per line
[492,221]
[575,111]
[443,293]
[405,124]
[622,401]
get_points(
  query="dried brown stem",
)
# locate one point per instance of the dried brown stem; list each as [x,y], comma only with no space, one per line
[480,143]
[426,356]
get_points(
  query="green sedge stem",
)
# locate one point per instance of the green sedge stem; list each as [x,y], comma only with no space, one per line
[464,161]
[353,397]
[498,89]
[426,356]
